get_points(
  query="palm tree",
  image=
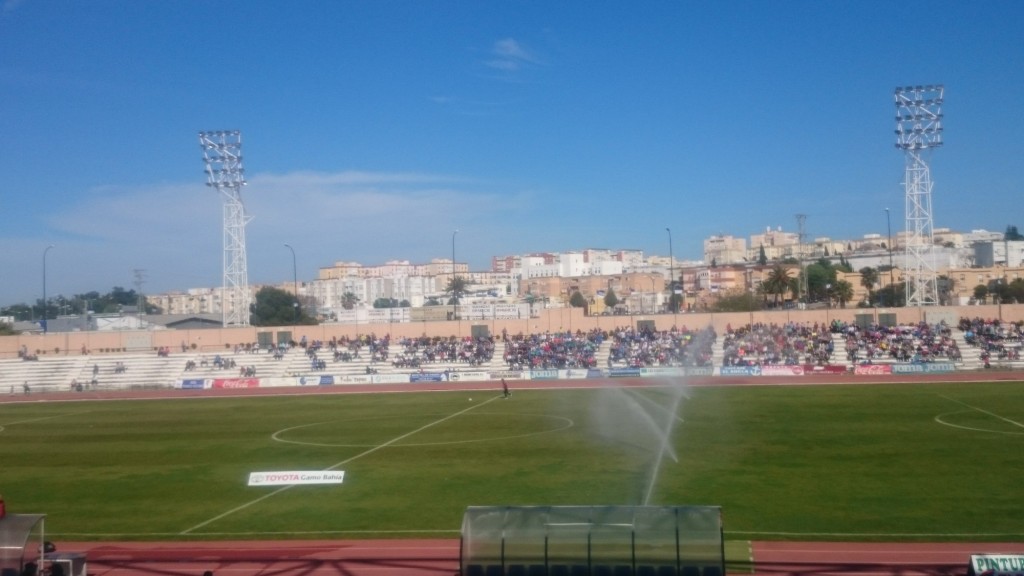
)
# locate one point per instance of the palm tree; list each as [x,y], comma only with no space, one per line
[456,287]
[777,282]
[843,292]
[349,300]
[868,279]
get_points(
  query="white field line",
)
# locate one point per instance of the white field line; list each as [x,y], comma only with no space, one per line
[964,535]
[983,411]
[3,426]
[342,463]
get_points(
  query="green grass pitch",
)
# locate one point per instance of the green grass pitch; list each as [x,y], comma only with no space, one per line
[914,461]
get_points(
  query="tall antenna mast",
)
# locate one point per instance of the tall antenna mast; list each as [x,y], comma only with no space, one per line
[140,279]
[918,131]
[222,154]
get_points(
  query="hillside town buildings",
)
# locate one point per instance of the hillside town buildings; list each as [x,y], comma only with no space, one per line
[517,285]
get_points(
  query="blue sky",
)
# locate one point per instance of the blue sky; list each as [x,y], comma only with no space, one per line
[372,130]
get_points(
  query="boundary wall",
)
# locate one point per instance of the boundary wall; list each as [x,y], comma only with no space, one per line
[570,374]
[549,320]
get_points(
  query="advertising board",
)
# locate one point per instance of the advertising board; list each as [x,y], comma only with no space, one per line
[316,380]
[872,369]
[427,377]
[996,565]
[224,383]
[740,371]
[506,374]
[543,374]
[390,378]
[661,371]
[473,376]
[826,369]
[573,374]
[353,379]
[774,370]
[623,372]
[192,384]
[926,368]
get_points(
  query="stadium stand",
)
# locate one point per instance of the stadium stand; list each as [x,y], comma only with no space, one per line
[877,344]
[634,348]
[786,344]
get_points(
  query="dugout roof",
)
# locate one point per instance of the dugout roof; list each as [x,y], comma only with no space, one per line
[15,530]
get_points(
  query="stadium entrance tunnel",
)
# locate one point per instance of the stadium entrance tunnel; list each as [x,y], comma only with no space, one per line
[592,541]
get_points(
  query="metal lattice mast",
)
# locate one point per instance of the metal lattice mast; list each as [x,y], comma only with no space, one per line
[222,154]
[918,131]
[801,237]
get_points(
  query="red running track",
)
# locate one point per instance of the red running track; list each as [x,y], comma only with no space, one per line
[441,557]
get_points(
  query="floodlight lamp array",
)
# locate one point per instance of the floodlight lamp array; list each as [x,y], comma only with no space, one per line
[919,116]
[222,154]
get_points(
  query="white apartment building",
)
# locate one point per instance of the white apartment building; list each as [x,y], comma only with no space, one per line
[569,264]
[1009,253]
[725,249]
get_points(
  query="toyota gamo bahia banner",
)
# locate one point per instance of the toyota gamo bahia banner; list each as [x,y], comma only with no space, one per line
[296,477]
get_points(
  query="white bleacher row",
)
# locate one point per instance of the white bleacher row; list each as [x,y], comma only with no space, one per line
[148,370]
[970,355]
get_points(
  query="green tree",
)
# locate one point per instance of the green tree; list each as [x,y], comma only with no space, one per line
[7,329]
[980,293]
[577,300]
[762,257]
[945,286]
[349,300]
[1012,233]
[777,283]
[893,295]
[737,301]
[868,279]
[610,299]
[819,275]
[1015,291]
[456,287]
[21,312]
[276,307]
[842,292]
[385,303]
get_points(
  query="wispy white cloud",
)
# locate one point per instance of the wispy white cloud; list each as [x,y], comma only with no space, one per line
[11,5]
[173,231]
[509,56]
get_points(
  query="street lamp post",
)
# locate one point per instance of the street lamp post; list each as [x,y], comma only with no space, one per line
[654,297]
[44,286]
[295,284]
[888,226]
[455,296]
[671,274]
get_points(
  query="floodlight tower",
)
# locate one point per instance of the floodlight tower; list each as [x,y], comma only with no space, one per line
[918,131]
[222,154]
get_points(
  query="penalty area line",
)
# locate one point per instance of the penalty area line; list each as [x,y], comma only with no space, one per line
[983,411]
[335,466]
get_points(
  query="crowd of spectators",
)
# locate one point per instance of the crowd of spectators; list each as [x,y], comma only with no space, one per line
[643,348]
[788,344]
[417,352]
[917,343]
[553,350]
[996,339]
